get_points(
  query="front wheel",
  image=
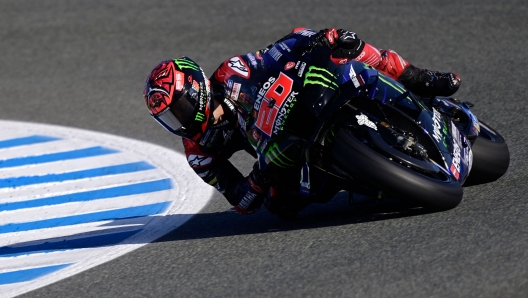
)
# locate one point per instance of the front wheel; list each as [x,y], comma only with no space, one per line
[438,191]
[491,157]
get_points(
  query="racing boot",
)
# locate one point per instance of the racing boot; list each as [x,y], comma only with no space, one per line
[427,83]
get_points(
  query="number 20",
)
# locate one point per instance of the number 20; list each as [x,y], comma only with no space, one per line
[279,91]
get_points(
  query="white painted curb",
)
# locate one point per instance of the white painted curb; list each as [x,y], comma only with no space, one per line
[187,197]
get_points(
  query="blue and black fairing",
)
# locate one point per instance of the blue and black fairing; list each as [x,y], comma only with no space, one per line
[454,147]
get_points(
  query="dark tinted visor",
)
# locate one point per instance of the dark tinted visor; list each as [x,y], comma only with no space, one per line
[178,117]
[184,109]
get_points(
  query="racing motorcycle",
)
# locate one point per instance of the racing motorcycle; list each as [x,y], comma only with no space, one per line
[371,134]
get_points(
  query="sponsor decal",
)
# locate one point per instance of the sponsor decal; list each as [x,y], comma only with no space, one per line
[301,70]
[239,66]
[284,112]
[200,117]
[347,35]
[179,80]
[235,91]
[305,32]
[229,105]
[273,102]
[262,91]
[275,54]
[183,63]
[454,79]
[455,162]
[195,86]
[455,166]
[247,200]
[364,120]
[198,161]
[437,126]
[284,47]
[320,76]
[353,77]
[276,156]
[289,65]
[252,59]
[297,64]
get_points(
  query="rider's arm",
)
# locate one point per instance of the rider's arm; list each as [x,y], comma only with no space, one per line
[346,46]
[246,194]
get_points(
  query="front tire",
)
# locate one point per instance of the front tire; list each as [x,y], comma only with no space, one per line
[363,163]
[491,157]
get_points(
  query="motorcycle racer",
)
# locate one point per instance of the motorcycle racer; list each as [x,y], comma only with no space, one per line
[217,117]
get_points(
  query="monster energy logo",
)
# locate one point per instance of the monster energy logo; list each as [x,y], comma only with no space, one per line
[199,117]
[320,76]
[278,157]
[184,63]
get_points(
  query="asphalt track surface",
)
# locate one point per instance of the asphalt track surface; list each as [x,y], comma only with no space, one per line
[83,64]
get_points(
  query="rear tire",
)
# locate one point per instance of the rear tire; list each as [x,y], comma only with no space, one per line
[365,164]
[491,157]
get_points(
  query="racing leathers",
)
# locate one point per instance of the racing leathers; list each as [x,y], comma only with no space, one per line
[239,84]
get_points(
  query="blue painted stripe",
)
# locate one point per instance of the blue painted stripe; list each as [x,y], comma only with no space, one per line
[118,191]
[26,141]
[68,244]
[129,212]
[29,274]
[74,154]
[104,171]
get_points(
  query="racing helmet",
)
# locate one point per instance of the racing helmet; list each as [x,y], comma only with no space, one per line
[178,95]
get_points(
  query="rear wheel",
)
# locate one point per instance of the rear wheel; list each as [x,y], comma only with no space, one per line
[419,182]
[491,157]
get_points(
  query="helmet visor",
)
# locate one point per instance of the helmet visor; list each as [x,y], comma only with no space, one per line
[178,117]
[168,120]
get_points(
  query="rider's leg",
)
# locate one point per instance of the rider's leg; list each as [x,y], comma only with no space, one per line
[423,82]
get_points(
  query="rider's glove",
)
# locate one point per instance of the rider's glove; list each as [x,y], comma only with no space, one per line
[332,39]
[252,191]
[348,47]
[325,37]
[344,44]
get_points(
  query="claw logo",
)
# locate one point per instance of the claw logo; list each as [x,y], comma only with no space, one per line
[200,117]
[320,76]
[185,63]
